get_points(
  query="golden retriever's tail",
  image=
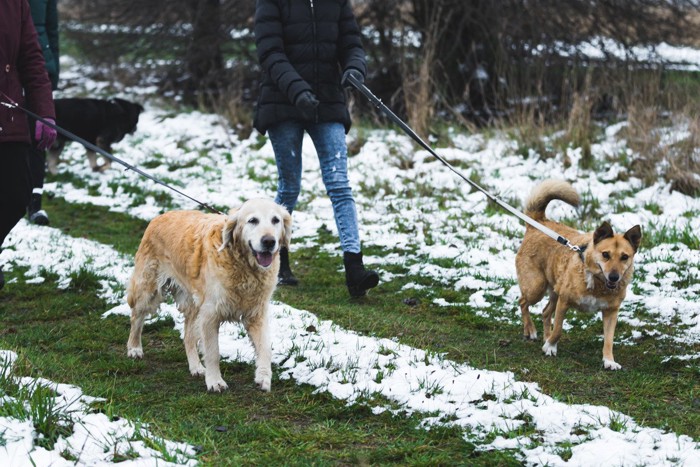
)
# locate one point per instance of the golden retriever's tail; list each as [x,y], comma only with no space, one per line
[545,192]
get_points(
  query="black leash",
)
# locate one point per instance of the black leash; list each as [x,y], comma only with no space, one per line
[542,228]
[14,105]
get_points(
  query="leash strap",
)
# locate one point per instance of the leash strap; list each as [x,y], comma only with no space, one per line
[529,220]
[14,105]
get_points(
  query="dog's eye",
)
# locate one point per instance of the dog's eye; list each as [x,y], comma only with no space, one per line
[624,257]
[253,220]
[606,255]
[275,220]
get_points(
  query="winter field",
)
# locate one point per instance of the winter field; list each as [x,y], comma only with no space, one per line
[419,225]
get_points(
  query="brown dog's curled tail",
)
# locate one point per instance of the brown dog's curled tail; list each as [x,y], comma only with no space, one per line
[545,192]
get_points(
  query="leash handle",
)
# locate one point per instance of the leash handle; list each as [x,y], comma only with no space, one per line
[409,131]
[14,105]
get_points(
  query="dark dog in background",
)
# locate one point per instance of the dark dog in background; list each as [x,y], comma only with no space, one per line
[98,121]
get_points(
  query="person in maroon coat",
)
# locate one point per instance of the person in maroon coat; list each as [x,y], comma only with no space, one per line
[24,80]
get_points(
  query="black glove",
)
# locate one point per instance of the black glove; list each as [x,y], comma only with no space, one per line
[345,82]
[306,101]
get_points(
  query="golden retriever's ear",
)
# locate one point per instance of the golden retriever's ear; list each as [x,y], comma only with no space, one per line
[287,233]
[634,236]
[227,236]
[602,232]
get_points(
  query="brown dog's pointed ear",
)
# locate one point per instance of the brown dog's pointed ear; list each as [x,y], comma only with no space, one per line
[287,222]
[603,232]
[227,237]
[634,236]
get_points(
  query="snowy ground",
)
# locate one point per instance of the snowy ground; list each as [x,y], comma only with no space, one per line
[396,191]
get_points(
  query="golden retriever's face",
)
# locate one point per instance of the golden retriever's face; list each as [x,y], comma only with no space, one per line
[614,253]
[261,227]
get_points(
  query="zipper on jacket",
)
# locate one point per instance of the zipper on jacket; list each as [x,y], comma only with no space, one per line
[314,32]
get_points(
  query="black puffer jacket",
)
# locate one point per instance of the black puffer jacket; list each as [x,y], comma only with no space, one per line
[305,45]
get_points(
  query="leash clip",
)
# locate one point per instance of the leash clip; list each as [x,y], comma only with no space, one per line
[573,247]
[11,104]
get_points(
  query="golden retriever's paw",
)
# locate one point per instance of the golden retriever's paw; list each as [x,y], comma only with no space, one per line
[549,349]
[611,365]
[218,385]
[263,380]
[197,371]
[135,352]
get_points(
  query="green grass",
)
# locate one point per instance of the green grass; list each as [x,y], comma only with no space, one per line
[34,402]
[62,336]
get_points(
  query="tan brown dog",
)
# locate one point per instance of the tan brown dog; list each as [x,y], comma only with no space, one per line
[217,268]
[596,279]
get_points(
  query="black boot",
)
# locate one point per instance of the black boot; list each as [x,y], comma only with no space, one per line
[37,215]
[285,276]
[357,278]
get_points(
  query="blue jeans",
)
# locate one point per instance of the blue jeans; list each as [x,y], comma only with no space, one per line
[329,141]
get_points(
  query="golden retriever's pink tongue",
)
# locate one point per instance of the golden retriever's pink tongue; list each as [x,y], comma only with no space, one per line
[264,258]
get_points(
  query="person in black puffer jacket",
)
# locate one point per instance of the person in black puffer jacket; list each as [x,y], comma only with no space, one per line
[307,50]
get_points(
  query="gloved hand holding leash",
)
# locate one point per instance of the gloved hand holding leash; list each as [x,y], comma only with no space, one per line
[44,135]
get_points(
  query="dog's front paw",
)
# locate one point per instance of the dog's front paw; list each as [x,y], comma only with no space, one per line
[611,365]
[549,349]
[135,352]
[218,385]
[263,379]
[197,370]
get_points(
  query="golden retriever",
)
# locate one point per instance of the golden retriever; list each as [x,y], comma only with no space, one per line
[594,279]
[217,268]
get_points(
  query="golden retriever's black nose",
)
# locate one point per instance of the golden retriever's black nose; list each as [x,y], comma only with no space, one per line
[268,242]
[614,277]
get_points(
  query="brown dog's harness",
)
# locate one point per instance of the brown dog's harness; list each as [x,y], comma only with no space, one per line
[581,250]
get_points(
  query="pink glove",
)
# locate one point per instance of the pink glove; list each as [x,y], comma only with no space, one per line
[44,135]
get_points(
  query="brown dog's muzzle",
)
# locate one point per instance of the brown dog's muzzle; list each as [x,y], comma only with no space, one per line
[612,280]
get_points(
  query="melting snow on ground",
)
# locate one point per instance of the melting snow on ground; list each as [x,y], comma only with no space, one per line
[396,191]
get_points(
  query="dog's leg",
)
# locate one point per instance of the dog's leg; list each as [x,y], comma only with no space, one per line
[138,316]
[550,345]
[191,338]
[532,289]
[529,330]
[143,297]
[187,306]
[547,313]
[259,334]
[52,158]
[609,323]
[102,144]
[92,158]
[107,164]
[209,323]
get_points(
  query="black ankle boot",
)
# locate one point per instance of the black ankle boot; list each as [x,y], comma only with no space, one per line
[37,215]
[357,278]
[285,276]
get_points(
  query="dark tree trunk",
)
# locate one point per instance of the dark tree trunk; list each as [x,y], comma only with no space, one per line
[203,58]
